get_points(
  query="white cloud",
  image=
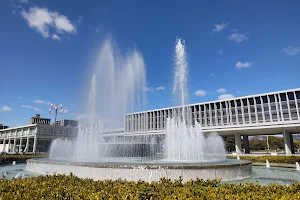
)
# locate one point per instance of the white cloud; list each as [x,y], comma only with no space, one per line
[220,27]
[241,65]
[225,96]
[63,24]
[20,98]
[66,110]
[38,101]
[291,51]
[160,88]
[55,37]
[5,109]
[46,21]
[200,93]
[31,107]
[211,74]
[147,89]
[221,90]
[237,37]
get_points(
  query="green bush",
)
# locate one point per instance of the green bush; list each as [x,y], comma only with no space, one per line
[8,159]
[72,187]
[271,159]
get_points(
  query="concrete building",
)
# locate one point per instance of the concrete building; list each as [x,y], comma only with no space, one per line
[33,138]
[38,120]
[262,114]
[67,122]
[3,126]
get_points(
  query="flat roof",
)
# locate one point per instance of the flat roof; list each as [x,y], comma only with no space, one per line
[219,101]
[18,127]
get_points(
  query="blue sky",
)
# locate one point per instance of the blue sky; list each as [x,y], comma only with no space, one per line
[234,48]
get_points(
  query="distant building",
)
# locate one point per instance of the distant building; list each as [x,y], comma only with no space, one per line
[67,122]
[35,137]
[38,120]
[3,127]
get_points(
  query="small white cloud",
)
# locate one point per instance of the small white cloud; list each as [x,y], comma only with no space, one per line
[291,51]
[20,98]
[5,108]
[66,110]
[39,101]
[63,24]
[160,88]
[147,89]
[221,90]
[31,107]
[55,37]
[225,96]
[237,37]
[18,124]
[220,27]
[48,23]
[200,93]
[211,74]
[80,19]
[241,65]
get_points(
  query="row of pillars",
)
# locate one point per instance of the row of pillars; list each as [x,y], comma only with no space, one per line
[287,137]
[20,144]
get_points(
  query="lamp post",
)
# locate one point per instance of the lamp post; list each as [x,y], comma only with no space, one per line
[58,110]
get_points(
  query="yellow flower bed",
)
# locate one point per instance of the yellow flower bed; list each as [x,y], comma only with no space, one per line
[72,187]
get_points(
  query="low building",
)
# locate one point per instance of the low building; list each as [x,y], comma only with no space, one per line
[3,127]
[35,137]
[38,120]
[67,122]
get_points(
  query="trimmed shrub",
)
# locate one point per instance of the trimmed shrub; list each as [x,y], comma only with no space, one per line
[8,159]
[72,187]
[271,159]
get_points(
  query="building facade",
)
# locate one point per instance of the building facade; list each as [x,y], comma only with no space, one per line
[38,120]
[3,126]
[269,113]
[35,137]
[67,122]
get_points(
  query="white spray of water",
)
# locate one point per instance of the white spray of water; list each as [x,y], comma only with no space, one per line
[117,87]
[185,140]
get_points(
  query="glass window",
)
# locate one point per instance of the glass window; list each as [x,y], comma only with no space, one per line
[283,96]
[265,99]
[272,98]
[291,95]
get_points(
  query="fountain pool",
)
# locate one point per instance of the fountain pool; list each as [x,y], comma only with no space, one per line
[117,87]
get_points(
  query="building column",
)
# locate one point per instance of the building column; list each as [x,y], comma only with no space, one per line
[14,147]
[9,145]
[34,144]
[238,143]
[27,145]
[4,144]
[288,143]
[246,143]
[20,147]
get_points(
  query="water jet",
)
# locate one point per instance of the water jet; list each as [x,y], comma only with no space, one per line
[118,87]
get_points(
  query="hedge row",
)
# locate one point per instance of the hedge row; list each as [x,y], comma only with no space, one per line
[72,187]
[8,159]
[271,159]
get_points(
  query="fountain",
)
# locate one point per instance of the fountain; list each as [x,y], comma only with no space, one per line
[117,87]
